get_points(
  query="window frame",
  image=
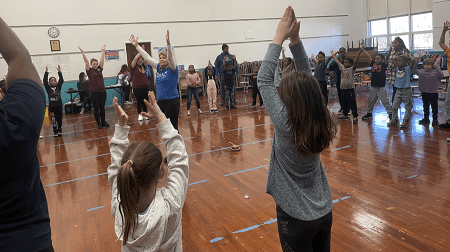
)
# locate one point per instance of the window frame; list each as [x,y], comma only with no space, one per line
[410,34]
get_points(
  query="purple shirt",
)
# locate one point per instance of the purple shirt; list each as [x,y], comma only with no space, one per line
[428,79]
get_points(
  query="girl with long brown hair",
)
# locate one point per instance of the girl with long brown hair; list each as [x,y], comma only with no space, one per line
[147,218]
[303,129]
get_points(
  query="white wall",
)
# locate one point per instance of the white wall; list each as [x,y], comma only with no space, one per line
[197,27]
[441,13]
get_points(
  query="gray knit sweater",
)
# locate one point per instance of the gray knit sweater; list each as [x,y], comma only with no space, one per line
[297,183]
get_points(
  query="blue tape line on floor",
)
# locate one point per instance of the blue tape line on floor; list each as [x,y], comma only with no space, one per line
[413,176]
[341,148]
[216,239]
[234,129]
[95,208]
[75,160]
[246,170]
[198,182]
[77,179]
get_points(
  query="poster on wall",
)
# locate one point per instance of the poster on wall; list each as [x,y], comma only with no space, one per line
[161,49]
[180,68]
[111,54]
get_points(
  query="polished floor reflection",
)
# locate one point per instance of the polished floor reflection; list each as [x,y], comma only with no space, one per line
[391,186]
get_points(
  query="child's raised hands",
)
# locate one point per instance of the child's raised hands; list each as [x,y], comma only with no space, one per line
[283,49]
[80,49]
[143,47]
[447,25]
[134,40]
[123,117]
[333,53]
[234,57]
[153,110]
[363,47]
[285,27]
[312,56]
[103,47]
[58,68]
[46,69]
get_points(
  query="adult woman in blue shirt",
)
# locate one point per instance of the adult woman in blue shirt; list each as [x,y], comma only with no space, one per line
[166,80]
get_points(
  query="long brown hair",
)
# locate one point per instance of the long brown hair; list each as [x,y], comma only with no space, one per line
[312,127]
[140,172]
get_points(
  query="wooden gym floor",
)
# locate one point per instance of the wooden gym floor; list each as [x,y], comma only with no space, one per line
[390,186]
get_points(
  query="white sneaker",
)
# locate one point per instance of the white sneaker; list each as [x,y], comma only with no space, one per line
[82,111]
[200,111]
[145,118]
[188,113]
[140,118]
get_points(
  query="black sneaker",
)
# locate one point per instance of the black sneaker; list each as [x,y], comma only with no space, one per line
[55,134]
[60,132]
[367,116]
[435,122]
[444,125]
[228,107]
[99,126]
[105,124]
[341,118]
[233,107]
[424,121]
[211,111]
[216,111]
[261,105]
[355,120]
[254,105]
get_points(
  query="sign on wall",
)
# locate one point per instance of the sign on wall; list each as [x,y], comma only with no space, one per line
[111,54]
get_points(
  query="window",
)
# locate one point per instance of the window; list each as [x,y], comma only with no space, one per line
[416,31]
[399,25]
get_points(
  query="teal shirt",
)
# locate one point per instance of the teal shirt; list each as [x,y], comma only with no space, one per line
[403,77]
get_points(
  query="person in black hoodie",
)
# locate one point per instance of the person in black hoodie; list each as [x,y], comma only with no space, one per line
[54,99]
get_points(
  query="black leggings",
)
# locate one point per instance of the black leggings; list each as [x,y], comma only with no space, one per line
[171,108]
[141,94]
[255,92]
[430,99]
[98,100]
[349,99]
[298,235]
[58,116]
[324,89]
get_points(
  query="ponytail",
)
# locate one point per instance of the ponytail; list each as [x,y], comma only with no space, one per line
[128,197]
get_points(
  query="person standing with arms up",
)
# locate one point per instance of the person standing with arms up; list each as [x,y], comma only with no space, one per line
[166,79]
[303,129]
[24,218]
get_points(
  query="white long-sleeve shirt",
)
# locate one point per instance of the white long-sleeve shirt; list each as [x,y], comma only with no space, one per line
[154,63]
[159,227]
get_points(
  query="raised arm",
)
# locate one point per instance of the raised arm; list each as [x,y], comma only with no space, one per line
[415,69]
[133,63]
[282,53]
[388,54]
[102,57]
[144,54]
[16,56]
[328,60]
[117,147]
[357,59]
[413,62]
[234,61]
[335,59]
[442,39]
[367,53]
[170,56]
[60,76]
[86,61]
[314,58]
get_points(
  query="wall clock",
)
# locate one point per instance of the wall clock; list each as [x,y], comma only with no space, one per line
[53,32]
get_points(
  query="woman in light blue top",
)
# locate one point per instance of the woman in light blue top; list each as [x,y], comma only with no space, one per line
[303,129]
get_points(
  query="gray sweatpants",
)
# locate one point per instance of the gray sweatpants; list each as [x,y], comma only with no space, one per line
[402,95]
[374,94]
[447,105]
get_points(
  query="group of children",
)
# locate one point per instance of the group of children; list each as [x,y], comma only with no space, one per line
[403,65]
